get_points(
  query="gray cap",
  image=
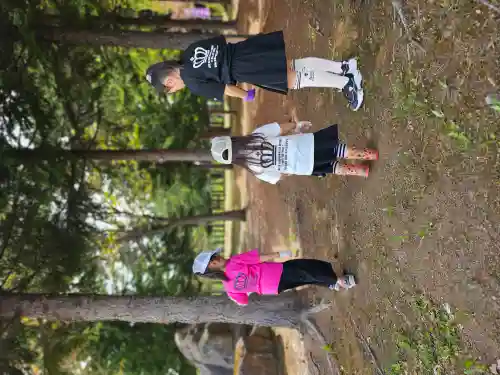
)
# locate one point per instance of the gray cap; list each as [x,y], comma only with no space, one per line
[222,149]
[201,261]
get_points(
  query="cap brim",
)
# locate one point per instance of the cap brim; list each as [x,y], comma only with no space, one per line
[208,255]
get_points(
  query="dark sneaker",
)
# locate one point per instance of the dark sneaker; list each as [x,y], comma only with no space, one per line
[352,93]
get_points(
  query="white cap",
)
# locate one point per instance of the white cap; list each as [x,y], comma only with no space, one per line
[219,145]
[201,261]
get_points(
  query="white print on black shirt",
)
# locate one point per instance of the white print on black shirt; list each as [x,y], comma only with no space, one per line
[202,56]
[282,158]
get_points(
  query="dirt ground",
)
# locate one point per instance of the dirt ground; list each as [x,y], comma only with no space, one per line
[426,224]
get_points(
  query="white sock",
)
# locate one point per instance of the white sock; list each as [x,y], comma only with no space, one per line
[335,167]
[341,151]
[318,78]
[316,63]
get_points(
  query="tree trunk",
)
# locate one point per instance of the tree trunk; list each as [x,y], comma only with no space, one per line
[215,131]
[158,21]
[231,112]
[237,215]
[201,1]
[152,155]
[283,310]
[123,38]
[214,166]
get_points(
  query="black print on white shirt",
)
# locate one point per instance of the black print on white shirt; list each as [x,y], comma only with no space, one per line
[202,56]
[282,158]
[242,280]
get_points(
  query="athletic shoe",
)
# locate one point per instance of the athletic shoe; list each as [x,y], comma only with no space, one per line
[352,93]
[346,282]
[351,67]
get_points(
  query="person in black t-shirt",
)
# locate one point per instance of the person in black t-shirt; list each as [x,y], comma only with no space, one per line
[212,68]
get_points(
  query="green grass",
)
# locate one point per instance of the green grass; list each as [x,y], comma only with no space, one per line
[434,345]
[412,101]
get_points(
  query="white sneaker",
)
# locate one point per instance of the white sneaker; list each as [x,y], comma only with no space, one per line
[351,67]
[352,93]
[346,282]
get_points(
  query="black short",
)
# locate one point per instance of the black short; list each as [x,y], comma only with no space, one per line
[261,61]
[298,272]
[325,150]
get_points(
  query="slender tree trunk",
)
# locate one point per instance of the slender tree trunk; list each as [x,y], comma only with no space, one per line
[215,131]
[152,155]
[283,310]
[158,21]
[230,112]
[237,215]
[123,38]
[214,166]
[202,1]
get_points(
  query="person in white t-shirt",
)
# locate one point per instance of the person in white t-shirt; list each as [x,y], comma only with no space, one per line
[274,150]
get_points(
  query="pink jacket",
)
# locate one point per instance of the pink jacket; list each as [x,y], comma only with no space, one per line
[246,274]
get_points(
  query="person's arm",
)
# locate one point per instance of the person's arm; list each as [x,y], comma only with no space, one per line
[294,127]
[234,39]
[274,255]
[235,91]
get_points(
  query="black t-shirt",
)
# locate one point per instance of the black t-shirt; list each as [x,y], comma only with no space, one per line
[205,67]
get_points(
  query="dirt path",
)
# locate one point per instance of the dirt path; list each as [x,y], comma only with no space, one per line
[425,225]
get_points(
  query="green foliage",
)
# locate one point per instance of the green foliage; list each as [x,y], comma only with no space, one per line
[432,346]
[53,214]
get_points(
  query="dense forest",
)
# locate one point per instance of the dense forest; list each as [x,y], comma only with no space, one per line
[82,211]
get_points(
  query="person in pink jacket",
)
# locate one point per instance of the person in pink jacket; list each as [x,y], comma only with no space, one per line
[251,272]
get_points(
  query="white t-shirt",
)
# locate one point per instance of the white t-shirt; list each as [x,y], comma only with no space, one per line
[295,154]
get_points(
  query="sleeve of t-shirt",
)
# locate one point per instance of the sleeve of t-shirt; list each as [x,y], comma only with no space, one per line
[209,89]
[270,175]
[269,130]
[240,298]
[249,257]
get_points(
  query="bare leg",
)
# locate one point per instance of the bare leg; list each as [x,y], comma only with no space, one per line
[291,75]
[234,39]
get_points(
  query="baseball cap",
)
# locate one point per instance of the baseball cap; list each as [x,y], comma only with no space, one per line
[201,261]
[155,75]
[222,149]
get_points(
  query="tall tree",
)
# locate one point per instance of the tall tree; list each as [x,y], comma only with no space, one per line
[284,310]
[156,39]
[204,1]
[57,154]
[158,228]
[215,131]
[115,20]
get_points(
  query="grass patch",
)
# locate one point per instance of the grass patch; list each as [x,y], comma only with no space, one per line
[413,102]
[434,346]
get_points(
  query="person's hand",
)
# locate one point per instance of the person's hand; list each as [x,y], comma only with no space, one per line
[303,126]
[285,254]
[250,95]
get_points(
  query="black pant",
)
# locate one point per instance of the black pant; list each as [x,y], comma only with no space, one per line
[298,272]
